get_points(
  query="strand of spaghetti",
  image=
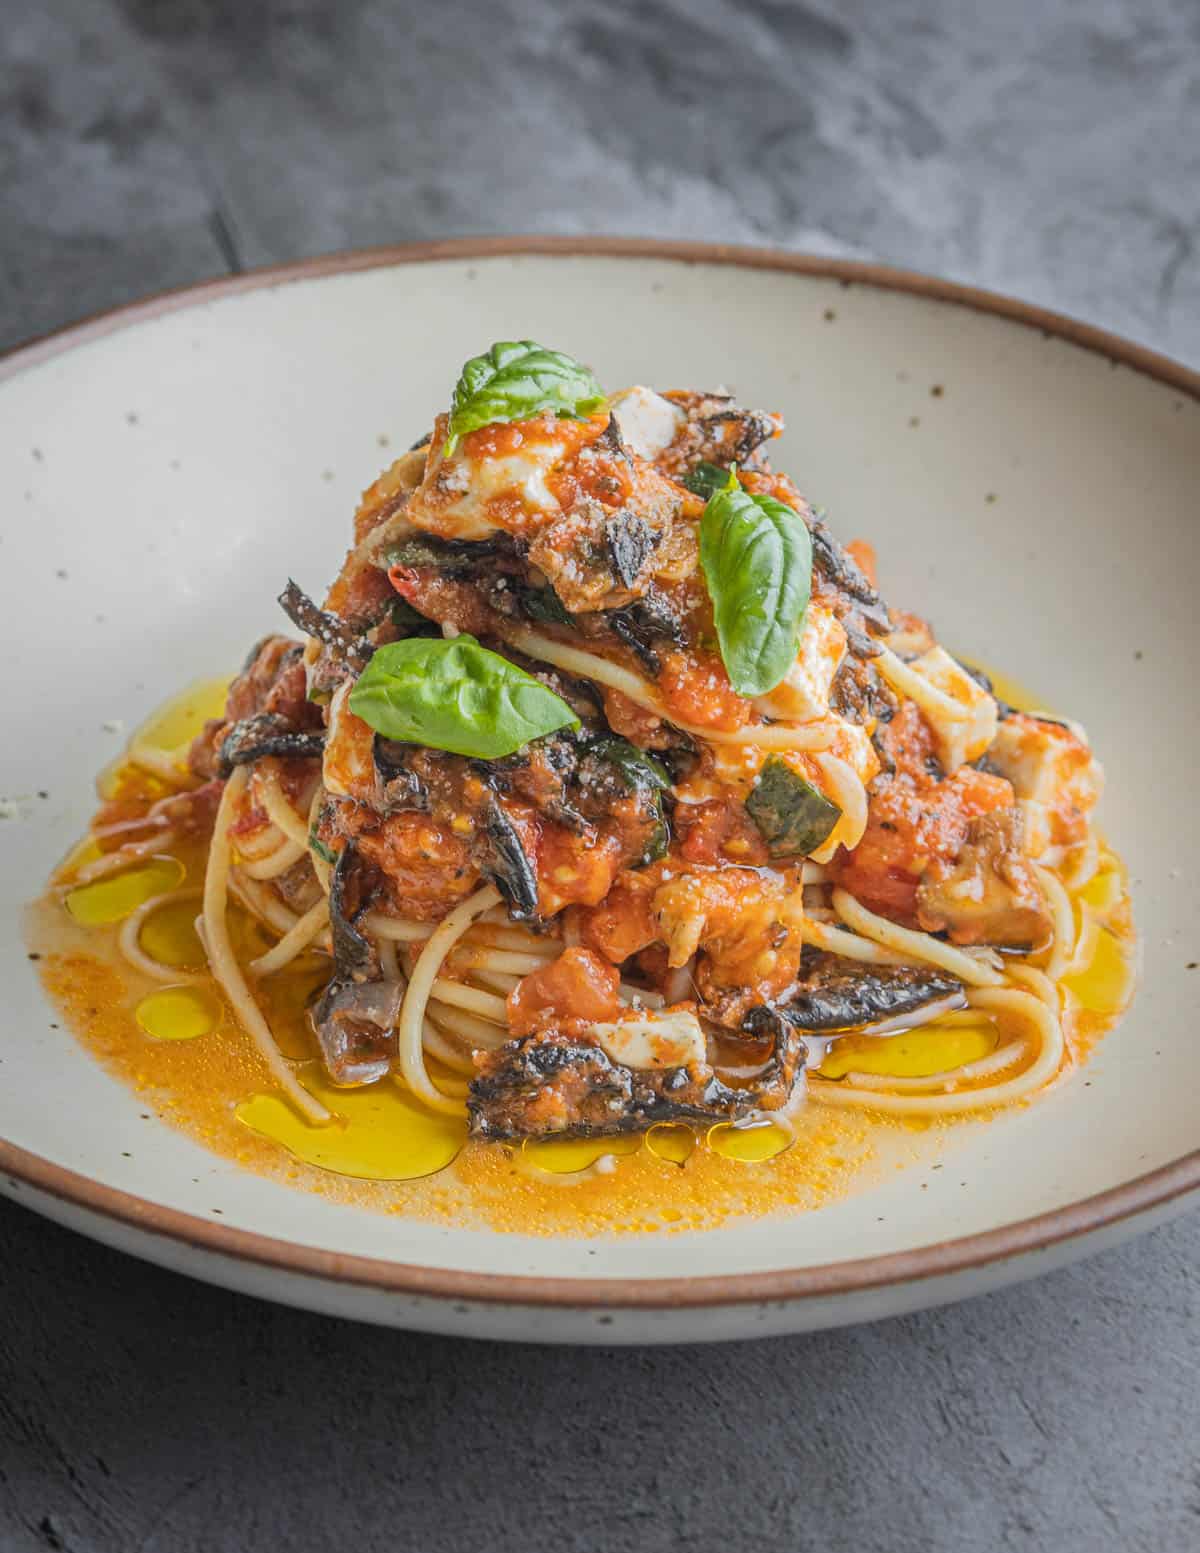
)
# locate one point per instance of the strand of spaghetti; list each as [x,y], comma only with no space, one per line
[123,857]
[473,999]
[275,863]
[489,936]
[279,809]
[1036,981]
[254,845]
[224,965]
[164,764]
[914,945]
[434,1043]
[848,792]
[481,1032]
[470,958]
[439,1044]
[915,687]
[421,981]
[1050,1049]
[124,827]
[850,945]
[1003,1057]
[1084,863]
[601,671]
[293,942]
[1062,914]
[129,939]
[262,902]
[1086,944]
[389,962]
[396,929]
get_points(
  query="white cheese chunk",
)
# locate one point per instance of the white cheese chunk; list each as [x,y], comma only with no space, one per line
[803,693]
[648,423]
[961,713]
[1053,773]
[668,1040]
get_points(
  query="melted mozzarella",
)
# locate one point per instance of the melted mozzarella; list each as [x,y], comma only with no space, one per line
[348,768]
[672,1039]
[803,693]
[648,423]
[455,501]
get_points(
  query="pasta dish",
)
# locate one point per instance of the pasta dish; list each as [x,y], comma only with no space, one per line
[603,792]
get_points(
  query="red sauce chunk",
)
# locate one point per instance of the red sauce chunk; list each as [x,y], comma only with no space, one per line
[578,985]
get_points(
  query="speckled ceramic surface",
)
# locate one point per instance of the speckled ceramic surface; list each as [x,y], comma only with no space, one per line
[1029,486]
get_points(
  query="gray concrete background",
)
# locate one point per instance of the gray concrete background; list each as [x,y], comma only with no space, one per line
[1047,149]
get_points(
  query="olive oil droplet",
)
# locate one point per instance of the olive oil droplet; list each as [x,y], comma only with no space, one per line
[379,1133]
[933,1048]
[178,1013]
[751,1142]
[672,1141]
[114,896]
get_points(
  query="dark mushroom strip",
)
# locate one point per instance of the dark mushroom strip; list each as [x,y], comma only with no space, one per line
[354,955]
[266,733]
[355,1026]
[836,994]
[509,865]
[631,541]
[843,574]
[556,1086]
[650,618]
[341,639]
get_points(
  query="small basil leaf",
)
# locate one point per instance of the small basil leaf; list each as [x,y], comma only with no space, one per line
[456,696]
[793,816]
[706,479]
[516,380]
[757,559]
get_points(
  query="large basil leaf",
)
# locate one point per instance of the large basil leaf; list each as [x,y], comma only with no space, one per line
[757,559]
[456,696]
[793,816]
[516,380]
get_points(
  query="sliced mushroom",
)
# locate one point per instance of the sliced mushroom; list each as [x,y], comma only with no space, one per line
[836,994]
[355,1024]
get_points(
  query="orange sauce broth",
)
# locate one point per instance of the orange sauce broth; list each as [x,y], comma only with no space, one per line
[176,1043]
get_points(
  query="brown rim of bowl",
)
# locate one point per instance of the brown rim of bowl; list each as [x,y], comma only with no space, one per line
[1155,1189]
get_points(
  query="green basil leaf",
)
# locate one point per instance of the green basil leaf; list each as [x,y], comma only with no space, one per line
[706,479]
[516,380]
[457,696]
[324,852]
[757,559]
[793,816]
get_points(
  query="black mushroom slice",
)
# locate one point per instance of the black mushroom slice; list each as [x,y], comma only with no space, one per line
[355,1025]
[509,864]
[837,994]
[354,956]
[266,733]
[630,542]
[639,625]
[554,1086]
[342,639]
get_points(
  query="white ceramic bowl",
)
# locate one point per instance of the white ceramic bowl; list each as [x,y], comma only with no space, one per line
[158,468]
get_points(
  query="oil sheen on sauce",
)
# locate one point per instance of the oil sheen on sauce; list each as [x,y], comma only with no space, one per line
[174,1040]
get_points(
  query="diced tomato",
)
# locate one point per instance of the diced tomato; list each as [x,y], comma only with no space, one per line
[578,985]
[719,831]
[623,925]
[696,690]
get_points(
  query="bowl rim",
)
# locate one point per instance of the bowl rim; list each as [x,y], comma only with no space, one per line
[1155,1189]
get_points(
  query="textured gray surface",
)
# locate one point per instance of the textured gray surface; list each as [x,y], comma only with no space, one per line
[1050,150]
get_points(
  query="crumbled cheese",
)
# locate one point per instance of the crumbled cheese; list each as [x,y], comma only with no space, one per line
[804,691]
[962,715]
[666,1040]
[648,423]
[472,483]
